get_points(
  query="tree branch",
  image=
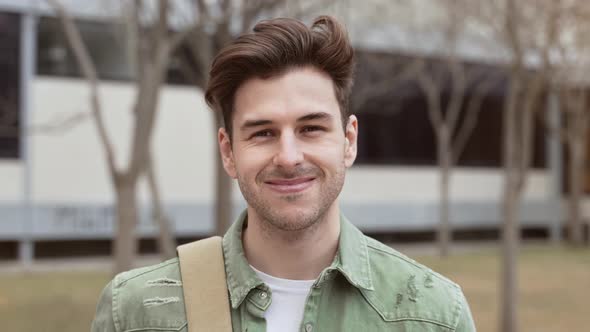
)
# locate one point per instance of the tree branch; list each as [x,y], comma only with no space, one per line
[89,71]
[60,125]
[162,27]
[432,92]
[204,14]
[471,116]
[458,83]
[370,91]
[251,9]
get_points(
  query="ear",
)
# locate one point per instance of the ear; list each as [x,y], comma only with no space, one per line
[227,155]
[351,135]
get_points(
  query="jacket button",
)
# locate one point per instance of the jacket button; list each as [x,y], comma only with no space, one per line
[308,327]
[263,295]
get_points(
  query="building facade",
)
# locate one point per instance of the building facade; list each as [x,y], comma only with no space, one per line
[54,184]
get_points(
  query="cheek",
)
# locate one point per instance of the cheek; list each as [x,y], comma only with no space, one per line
[329,156]
[250,162]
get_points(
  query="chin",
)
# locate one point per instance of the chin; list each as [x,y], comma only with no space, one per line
[294,218]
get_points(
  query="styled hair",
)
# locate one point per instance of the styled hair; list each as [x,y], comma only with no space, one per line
[275,47]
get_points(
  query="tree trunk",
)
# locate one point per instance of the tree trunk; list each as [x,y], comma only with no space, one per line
[125,245]
[154,48]
[166,239]
[223,190]
[444,159]
[582,181]
[510,238]
[576,170]
[510,204]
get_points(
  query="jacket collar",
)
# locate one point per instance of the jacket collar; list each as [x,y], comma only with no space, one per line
[352,260]
[353,256]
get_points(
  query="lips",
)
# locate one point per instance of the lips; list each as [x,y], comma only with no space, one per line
[289,186]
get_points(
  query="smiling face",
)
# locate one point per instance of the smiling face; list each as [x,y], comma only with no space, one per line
[289,151]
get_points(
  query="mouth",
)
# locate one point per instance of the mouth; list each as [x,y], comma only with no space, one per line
[290,186]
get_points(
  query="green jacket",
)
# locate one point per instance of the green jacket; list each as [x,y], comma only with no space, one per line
[368,287]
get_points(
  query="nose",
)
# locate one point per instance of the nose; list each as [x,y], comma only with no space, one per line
[289,152]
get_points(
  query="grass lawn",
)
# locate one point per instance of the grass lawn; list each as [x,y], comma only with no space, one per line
[554,284]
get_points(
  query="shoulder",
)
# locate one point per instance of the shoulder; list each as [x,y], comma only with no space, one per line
[165,273]
[407,290]
[148,298]
[388,260]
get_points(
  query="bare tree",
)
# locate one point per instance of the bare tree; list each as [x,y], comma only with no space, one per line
[528,35]
[535,33]
[451,79]
[572,86]
[454,93]
[451,134]
[154,46]
[521,30]
[575,134]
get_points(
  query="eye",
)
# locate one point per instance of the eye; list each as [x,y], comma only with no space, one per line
[309,129]
[262,133]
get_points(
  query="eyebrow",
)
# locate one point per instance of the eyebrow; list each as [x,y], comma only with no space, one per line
[254,123]
[308,117]
[315,116]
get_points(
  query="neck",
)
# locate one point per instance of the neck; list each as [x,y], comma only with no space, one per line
[296,255]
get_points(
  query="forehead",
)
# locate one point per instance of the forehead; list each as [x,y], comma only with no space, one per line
[285,97]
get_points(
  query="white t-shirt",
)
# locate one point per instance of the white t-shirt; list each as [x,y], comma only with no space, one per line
[288,302]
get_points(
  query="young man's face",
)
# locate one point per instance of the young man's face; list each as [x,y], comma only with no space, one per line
[289,151]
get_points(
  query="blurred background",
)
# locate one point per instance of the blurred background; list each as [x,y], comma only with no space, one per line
[473,146]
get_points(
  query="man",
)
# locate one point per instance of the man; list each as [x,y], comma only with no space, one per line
[293,262]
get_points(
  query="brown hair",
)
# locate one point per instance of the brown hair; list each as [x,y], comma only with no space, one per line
[273,48]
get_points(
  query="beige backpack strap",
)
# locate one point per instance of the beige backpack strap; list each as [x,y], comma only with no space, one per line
[204,285]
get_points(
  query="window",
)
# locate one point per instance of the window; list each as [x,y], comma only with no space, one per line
[394,126]
[9,85]
[108,48]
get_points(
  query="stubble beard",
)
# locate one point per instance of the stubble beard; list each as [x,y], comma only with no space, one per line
[297,220]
